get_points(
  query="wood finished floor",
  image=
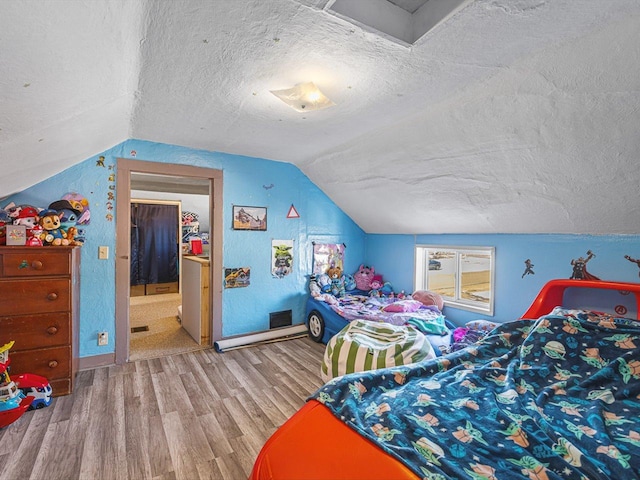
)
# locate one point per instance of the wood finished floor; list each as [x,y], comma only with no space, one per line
[198,415]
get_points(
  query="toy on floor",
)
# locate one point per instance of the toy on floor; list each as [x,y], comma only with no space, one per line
[13,403]
[36,387]
[27,392]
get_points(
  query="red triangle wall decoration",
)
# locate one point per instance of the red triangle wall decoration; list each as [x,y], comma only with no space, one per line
[293,213]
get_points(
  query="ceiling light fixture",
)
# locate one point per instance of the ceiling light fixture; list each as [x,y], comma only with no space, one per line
[304,97]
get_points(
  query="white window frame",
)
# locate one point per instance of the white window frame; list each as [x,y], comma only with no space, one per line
[421,269]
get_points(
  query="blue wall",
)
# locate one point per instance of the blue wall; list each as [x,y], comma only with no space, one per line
[247,310]
[393,257]
[244,310]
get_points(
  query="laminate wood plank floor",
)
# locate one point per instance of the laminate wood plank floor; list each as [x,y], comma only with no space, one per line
[197,415]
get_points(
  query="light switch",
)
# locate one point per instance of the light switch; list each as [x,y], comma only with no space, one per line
[103,252]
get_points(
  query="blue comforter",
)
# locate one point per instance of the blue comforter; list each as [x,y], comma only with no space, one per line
[554,398]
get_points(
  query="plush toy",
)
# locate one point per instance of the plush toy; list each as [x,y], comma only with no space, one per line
[375,288]
[337,281]
[33,238]
[363,277]
[73,237]
[53,234]
[69,215]
[314,287]
[5,220]
[81,204]
[349,282]
[25,215]
[325,282]
[386,289]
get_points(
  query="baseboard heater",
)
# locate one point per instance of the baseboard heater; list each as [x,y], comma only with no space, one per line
[273,335]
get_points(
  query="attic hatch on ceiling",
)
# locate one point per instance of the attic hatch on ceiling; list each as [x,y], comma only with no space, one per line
[402,21]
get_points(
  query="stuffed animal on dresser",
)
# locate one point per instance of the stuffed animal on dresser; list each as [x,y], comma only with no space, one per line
[53,234]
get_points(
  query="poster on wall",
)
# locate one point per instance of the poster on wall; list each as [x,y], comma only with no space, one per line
[237,277]
[249,218]
[327,255]
[281,258]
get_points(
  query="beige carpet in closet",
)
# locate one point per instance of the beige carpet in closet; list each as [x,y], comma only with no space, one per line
[165,335]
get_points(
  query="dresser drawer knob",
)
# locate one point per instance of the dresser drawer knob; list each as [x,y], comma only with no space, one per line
[52,296]
[53,363]
[36,265]
[52,330]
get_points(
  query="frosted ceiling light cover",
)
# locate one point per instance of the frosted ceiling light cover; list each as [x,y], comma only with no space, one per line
[304,97]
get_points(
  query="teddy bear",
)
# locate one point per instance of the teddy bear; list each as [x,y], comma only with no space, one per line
[363,277]
[337,281]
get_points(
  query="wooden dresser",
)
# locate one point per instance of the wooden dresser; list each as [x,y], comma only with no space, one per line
[39,309]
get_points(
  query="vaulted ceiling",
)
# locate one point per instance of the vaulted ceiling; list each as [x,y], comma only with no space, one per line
[509,116]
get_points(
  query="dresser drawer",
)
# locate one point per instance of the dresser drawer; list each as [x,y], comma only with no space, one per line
[51,363]
[60,386]
[36,331]
[20,297]
[35,263]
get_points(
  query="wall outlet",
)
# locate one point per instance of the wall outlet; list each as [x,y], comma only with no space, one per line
[103,253]
[103,339]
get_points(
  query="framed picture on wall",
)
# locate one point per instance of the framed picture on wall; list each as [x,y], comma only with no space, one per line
[249,218]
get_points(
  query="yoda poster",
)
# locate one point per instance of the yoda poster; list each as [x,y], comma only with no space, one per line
[281,258]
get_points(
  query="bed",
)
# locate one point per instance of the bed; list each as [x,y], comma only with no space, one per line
[553,395]
[324,320]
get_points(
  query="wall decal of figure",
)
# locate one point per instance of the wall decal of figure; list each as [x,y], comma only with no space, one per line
[580,268]
[529,268]
[633,260]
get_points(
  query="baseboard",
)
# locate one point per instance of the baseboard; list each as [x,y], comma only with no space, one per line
[240,341]
[95,361]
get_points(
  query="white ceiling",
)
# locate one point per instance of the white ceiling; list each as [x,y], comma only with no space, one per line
[512,116]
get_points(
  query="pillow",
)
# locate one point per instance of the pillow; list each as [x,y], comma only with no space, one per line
[428,298]
[403,306]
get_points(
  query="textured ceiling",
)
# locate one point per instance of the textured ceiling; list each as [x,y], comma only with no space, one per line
[513,116]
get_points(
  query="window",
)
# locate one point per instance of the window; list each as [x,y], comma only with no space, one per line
[464,276]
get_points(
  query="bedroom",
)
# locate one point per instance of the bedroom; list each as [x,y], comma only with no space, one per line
[522,142]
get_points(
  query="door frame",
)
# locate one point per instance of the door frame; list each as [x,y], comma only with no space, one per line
[123,234]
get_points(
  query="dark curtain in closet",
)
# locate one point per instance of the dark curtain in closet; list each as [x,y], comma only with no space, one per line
[154,243]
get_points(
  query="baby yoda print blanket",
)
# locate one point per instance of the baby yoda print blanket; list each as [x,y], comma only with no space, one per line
[556,398]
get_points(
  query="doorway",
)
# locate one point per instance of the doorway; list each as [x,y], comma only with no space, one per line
[155,256]
[165,180]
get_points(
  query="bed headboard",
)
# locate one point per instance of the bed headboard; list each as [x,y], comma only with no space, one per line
[617,298]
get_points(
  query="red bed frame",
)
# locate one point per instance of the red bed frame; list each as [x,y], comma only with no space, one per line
[315,445]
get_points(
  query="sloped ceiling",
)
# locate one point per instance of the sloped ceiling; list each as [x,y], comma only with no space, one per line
[512,116]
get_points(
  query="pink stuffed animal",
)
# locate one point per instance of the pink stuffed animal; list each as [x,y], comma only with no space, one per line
[363,277]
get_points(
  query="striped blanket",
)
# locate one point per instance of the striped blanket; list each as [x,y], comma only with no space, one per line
[366,345]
